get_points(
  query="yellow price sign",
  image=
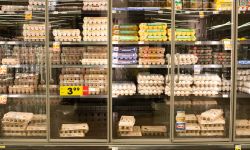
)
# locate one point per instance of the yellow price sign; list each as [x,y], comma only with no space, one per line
[28,15]
[56,46]
[237,147]
[2,147]
[71,90]
[3,69]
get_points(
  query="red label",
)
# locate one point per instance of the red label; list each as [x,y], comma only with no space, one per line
[85,90]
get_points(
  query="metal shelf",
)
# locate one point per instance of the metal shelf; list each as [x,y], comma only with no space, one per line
[84,43]
[20,42]
[243,95]
[169,43]
[24,95]
[80,66]
[84,96]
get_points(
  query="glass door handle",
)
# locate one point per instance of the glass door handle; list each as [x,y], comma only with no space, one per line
[50,67]
[41,65]
[168,66]
[178,67]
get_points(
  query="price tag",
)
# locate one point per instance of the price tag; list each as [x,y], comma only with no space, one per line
[86,89]
[201,14]
[56,46]
[141,42]
[225,96]
[3,100]
[160,12]
[2,146]
[197,69]
[28,15]
[227,44]
[237,147]
[197,43]
[71,90]
[3,69]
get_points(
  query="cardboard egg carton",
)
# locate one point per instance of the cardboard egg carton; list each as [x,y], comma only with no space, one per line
[3,89]
[151,50]
[73,70]
[243,123]
[39,119]
[17,117]
[95,55]
[11,61]
[153,130]
[94,61]
[52,88]
[192,129]
[71,77]
[96,49]
[36,130]
[242,132]
[89,33]
[95,77]
[136,131]
[95,27]
[151,61]
[95,5]
[14,133]
[68,38]
[34,27]
[207,103]
[95,20]
[96,71]
[95,38]
[145,26]
[219,122]
[151,55]
[191,118]
[22,89]
[212,114]
[66,33]
[126,123]
[74,130]
[212,133]
[9,126]
[73,50]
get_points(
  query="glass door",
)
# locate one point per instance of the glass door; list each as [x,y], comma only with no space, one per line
[78,74]
[242,122]
[22,71]
[140,46]
[202,80]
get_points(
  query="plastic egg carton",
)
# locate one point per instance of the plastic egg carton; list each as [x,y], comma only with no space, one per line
[126,123]
[13,8]
[73,70]
[153,61]
[94,61]
[95,5]
[95,20]
[123,88]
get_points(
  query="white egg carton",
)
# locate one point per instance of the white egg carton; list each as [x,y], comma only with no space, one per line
[66,32]
[94,61]
[95,20]
[95,38]
[123,88]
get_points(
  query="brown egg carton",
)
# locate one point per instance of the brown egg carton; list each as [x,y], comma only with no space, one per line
[151,55]
[73,70]
[73,50]
[52,88]
[22,89]
[97,49]
[153,130]
[149,61]
[212,133]
[95,55]
[33,82]
[191,118]
[96,71]
[151,50]
[70,62]
[94,77]
[3,89]
[136,131]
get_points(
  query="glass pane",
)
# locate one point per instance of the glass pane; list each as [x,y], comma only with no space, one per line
[243,72]
[203,70]
[78,69]
[140,44]
[22,71]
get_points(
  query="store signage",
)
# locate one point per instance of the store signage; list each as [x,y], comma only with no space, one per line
[2,146]
[74,90]
[197,69]
[227,44]
[3,100]
[3,69]
[56,46]
[28,15]
[237,147]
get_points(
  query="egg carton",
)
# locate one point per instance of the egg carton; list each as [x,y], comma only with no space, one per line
[243,72]
[74,128]
[185,59]
[14,133]
[34,38]
[242,124]
[151,55]
[3,89]
[90,33]
[68,38]
[73,133]
[68,57]
[37,2]
[148,61]
[96,71]
[124,56]
[95,6]
[17,117]
[206,88]
[145,26]
[22,89]
[66,33]
[207,83]
[212,114]
[151,50]
[30,33]
[205,93]
[242,132]
[94,55]
[126,123]
[94,61]
[95,27]
[207,103]
[33,82]
[36,8]
[95,20]
[129,27]
[14,126]
[152,32]
[95,77]
[11,61]
[183,32]
[124,62]
[212,133]
[150,92]
[95,38]
[154,38]
[73,50]
[191,118]
[178,93]
[96,49]
[153,130]
[13,8]
[71,77]
[34,27]
[37,130]
[73,70]
[135,133]
[218,128]
[39,119]
[52,88]
[179,84]
[191,129]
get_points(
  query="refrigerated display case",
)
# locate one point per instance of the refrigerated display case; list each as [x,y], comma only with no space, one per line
[124,71]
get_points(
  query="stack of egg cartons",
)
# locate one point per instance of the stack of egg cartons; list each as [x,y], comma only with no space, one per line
[95,55]
[37,5]
[37,126]
[72,55]
[13,8]
[150,84]
[74,130]
[183,34]
[206,84]
[34,32]
[124,55]
[15,123]
[95,5]
[192,128]
[182,85]
[95,29]
[204,54]
[151,55]
[96,79]
[153,32]
[242,127]
[183,59]
[126,127]
[123,88]
[67,35]
[212,122]
[243,80]
[225,85]
[75,79]
[125,33]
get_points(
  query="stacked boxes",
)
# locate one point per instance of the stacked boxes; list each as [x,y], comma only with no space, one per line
[243,80]
[67,35]
[153,32]
[37,5]
[125,33]
[153,130]
[95,5]
[183,59]
[74,130]
[34,32]
[126,126]
[243,127]
[222,58]
[95,29]
[151,55]
[123,88]
[204,54]
[150,84]
[72,55]
[124,55]
[95,55]
[183,34]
